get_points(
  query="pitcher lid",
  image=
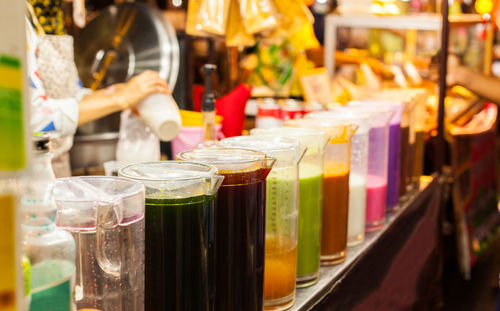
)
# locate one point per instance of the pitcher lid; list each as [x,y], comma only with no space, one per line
[313,139]
[281,148]
[167,170]
[227,159]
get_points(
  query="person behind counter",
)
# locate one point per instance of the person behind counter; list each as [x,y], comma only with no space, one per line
[482,85]
[61,114]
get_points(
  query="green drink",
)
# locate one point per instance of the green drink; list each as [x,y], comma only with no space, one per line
[180,254]
[309,235]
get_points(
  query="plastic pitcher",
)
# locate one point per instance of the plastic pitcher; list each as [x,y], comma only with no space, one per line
[394,157]
[310,199]
[407,136]
[335,186]
[105,216]
[281,216]
[378,155]
[240,222]
[421,96]
[358,172]
[180,250]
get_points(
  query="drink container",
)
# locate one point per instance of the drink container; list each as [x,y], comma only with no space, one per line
[239,224]
[358,171]
[408,135]
[310,199]
[394,156]
[281,216]
[180,244]
[50,274]
[378,151]
[105,216]
[335,186]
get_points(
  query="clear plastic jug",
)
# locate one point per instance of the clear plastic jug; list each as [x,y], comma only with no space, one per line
[105,216]
[239,225]
[421,96]
[281,216]
[359,169]
[180,245]
[394,157]
[310,198]
[378,155]
[408,124]
[335,186]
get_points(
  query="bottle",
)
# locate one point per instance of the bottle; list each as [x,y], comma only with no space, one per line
[208,106]
[51,251]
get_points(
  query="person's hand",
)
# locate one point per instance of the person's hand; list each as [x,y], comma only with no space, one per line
[455,71]
[139,87]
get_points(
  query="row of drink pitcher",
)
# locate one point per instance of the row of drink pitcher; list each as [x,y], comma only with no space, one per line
[240,225]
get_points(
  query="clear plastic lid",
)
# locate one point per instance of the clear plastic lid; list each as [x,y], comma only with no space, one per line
[229,160]
[83,201]
[344,114]
[313,139]
[174,179]
[399,107]
[380,115]
[286,151]
[338,131]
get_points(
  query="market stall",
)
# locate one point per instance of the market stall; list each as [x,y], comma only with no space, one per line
[295,176]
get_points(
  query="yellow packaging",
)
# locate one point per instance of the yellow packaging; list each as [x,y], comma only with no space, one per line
[7,253]
[213,16]
[236,32]
[258,15]
[296,23]
[193,24]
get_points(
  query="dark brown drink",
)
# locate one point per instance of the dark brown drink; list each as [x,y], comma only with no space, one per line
[240,236]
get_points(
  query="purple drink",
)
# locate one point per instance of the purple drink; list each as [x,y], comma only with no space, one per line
[393,167]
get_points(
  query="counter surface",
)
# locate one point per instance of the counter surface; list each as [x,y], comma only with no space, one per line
[332,276]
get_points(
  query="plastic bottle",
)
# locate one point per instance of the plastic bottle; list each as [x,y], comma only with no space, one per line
[51,251]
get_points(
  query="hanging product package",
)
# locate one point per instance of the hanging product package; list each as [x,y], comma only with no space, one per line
[236,32]
[295,23]
[213,16]
[136,142]
[193,23]
[258,15]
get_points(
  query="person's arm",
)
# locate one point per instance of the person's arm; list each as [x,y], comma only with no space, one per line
[120,96]
[484,86]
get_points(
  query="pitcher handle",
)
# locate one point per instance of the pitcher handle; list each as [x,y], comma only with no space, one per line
[108,218]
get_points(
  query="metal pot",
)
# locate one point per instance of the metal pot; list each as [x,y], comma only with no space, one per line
[149,44]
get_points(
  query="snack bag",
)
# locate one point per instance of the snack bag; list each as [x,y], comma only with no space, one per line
[236,32]
[193,24]
[258,15]
[213,16]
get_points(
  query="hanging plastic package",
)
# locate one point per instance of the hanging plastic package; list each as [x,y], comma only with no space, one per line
[193,23]
[136,142]
[258,15]
[295,23]
[236,32]
[213,16]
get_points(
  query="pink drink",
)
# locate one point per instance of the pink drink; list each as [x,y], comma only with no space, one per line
[376,193]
